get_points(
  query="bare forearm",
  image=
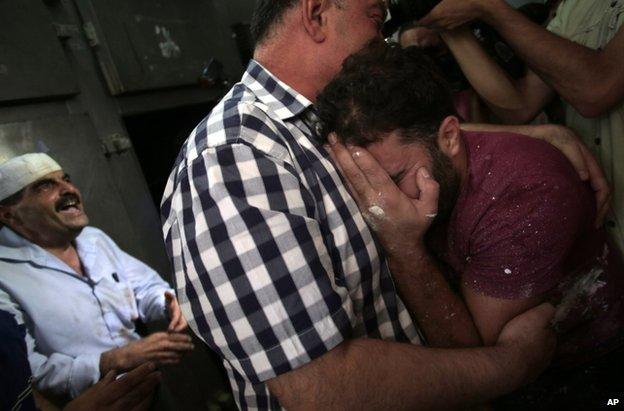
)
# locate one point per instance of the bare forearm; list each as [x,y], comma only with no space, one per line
[487,78]
[512,101]
[373,374]
[577,73]
[440,313]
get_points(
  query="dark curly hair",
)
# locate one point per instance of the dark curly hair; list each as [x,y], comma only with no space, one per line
[383,88]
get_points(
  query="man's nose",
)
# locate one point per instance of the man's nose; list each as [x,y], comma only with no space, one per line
[67,187]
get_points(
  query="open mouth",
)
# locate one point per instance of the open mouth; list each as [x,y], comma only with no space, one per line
[69,205]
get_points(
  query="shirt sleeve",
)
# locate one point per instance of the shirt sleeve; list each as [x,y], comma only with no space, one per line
[519,247]
[252,270]
[58,373]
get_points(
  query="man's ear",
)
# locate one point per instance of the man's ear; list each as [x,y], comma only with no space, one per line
[6,215]
[314,18]
[449,136]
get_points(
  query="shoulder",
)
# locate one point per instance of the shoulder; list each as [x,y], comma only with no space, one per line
[499,161]
[240,118]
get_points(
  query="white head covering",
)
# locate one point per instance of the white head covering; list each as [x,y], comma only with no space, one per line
[20,171]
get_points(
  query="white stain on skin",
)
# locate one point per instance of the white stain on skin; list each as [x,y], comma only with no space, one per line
[377,211]
[373,215]
[507,271]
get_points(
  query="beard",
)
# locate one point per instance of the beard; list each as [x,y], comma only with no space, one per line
[448,179]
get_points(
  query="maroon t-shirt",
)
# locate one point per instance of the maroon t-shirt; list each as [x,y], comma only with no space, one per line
[523,227]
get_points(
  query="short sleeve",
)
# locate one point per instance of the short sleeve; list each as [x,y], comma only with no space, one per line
[555,25]
[519,247]
[252,271]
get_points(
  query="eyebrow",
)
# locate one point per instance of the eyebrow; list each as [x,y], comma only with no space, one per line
[41,182]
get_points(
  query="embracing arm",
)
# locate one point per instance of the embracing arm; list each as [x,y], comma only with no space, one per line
[377,374]
[590,80]
[566,141]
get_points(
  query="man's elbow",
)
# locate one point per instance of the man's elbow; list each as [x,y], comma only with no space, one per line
[598,99]
[313,386]
[592,108]
[290,396]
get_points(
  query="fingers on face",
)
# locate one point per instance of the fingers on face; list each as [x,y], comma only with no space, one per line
[429,191]
[375,174]
[353,173]
[354,194]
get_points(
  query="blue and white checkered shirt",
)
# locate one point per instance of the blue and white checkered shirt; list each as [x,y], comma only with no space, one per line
[274,264]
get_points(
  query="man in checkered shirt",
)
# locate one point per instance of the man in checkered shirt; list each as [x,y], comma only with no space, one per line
[275,267]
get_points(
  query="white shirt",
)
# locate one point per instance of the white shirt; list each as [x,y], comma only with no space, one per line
[72,319]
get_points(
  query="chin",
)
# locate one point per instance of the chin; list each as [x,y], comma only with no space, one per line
[77,225]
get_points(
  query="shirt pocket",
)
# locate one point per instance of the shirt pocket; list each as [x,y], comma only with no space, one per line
[118,302]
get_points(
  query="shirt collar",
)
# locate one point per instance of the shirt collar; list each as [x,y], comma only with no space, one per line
[16,247]
[283,100]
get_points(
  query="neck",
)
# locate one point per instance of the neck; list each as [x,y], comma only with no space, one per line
[62,247]
[299,69]
[68,255]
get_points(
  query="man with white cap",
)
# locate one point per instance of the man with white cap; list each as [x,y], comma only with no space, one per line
[76,292]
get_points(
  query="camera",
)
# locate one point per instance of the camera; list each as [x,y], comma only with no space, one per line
[406,11]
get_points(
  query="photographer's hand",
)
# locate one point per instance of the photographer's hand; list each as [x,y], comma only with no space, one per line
[450,14]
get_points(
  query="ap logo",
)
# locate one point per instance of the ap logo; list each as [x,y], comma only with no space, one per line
[613,401]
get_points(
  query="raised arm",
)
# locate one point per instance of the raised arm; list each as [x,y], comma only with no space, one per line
[373,374]
[512,101]
[590,80]
[400,223]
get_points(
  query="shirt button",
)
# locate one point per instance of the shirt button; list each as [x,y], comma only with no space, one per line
[597,141]
[611,224]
